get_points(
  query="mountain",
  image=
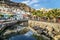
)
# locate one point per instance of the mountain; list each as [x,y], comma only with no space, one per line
[22,6]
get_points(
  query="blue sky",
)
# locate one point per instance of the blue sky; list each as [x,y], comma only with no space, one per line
[37,4]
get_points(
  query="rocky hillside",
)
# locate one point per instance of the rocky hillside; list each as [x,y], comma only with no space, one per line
[22,6]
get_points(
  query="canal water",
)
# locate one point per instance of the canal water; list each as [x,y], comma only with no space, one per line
[26,36]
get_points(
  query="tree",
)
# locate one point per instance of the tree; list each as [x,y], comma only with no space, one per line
[54,14]
[40,14]
[34,13]
[47,14]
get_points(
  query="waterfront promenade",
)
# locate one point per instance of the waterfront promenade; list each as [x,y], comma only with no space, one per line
[46,28]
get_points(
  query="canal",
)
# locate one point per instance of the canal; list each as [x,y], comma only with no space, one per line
[18,32]
[26,36]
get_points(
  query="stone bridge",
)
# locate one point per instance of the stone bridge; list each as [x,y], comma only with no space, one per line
[6,25]
[53,28]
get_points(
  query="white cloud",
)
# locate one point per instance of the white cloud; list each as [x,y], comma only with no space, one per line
[26,2]
[10,0]
[30,2]
[36,5]
[34,1]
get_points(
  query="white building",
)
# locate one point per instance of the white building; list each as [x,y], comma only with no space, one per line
[19,15]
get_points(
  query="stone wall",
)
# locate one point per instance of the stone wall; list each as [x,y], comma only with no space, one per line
[53,28]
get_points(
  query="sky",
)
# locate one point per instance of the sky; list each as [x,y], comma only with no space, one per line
[37,4]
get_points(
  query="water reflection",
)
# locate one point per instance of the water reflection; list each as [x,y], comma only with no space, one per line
[26,36]
[29,33]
